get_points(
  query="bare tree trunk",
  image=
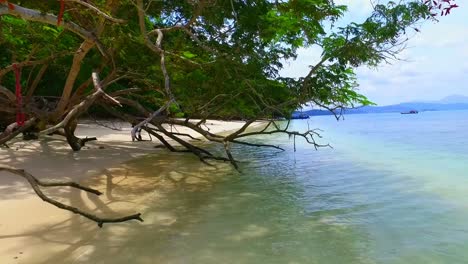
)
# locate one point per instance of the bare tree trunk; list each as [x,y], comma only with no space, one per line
[80,54]
[83,50]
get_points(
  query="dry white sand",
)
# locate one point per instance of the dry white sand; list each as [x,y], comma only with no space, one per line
[32,231]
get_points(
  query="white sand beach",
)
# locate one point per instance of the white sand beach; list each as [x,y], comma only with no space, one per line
[32,231]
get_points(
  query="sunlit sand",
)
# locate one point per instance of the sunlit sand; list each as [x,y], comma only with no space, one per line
[32,231]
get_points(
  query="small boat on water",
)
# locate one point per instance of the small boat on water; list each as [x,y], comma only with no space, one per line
[300,116]
[410,112]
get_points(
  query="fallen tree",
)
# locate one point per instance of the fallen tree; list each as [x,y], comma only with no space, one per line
[169,63]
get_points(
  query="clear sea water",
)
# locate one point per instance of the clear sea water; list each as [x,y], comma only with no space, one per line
[394,189]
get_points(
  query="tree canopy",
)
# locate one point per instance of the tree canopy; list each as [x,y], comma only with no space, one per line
[213,51]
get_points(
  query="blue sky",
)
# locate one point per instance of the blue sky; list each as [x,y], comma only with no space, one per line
[434,65]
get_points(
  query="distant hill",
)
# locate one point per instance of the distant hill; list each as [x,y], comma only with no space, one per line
[453,102]
[455,99]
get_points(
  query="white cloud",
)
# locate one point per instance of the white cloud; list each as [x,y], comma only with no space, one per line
[437,66]
[356,8]
[301,66]
[442,35]
[436,62]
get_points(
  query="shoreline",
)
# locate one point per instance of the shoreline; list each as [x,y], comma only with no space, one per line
[32,231]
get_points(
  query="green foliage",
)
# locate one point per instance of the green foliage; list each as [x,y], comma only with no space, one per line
[235,73]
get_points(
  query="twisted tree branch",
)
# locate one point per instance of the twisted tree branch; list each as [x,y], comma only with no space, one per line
[82,107]
[36,184]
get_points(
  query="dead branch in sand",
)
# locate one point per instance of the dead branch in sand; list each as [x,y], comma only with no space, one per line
[36,184]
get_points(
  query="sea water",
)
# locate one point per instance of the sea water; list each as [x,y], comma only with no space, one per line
[393,189]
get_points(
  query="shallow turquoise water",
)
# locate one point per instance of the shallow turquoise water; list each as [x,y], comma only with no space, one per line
[394,189]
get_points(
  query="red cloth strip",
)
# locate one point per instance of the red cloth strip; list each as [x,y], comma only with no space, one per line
[20,116]
[60,15]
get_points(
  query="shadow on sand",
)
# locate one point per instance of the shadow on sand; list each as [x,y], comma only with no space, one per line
[158,186]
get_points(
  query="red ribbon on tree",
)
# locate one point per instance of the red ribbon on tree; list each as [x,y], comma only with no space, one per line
[20,116]
[10,5]
[60,15]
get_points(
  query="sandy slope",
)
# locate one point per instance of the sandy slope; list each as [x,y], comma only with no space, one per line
[32,231]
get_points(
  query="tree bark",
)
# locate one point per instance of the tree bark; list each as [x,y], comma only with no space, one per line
[80,54]
[75,142]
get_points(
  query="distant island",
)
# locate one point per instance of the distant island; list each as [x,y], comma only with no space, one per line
[453,102]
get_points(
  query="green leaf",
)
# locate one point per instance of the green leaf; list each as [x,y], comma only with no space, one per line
[189,55]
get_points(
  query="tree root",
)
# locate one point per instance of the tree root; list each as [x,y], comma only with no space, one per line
[36,184]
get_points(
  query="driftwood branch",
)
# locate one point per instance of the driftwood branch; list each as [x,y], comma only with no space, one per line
[36,184]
